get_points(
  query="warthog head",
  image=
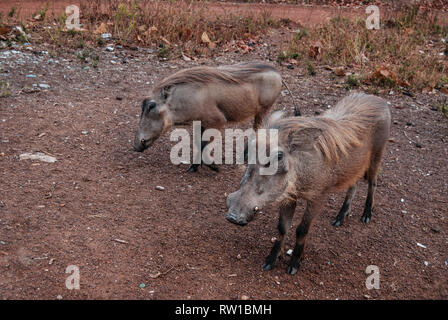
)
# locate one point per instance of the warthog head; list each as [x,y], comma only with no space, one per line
[153,122]
[258,189]
[261,182]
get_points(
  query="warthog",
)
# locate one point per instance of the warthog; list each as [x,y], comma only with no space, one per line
[214,96]
[315,155]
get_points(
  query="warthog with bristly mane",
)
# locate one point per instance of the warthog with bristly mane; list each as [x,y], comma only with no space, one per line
[315,155]
[214,96]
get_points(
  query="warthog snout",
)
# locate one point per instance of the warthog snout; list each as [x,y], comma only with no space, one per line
[232,217]
[240,210]
[140,145]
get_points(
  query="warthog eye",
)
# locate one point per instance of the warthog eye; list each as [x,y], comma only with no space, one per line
[280,156]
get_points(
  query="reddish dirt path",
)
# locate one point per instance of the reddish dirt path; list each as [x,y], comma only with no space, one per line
[305,15]
[299,14]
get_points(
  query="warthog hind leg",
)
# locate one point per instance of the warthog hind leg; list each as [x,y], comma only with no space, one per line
[346,207]
[372,175]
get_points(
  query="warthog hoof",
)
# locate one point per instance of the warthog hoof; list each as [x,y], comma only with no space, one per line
[365,218]
[213,166]
[291,270]
[193,168]
[267,266]
[337,223]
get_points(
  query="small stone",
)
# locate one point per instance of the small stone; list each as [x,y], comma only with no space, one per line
[44,86]
[289,252]
[119,98]
[160,188]
[110,49]
[106,36]
[273,239]
[84,132]
[31,76]
[238,256]
[421,245]
[426,263]
[59,297]
[244,297]
[435,229]
[418,145]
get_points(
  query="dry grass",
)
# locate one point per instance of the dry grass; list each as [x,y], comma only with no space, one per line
[170,26]
[408,45]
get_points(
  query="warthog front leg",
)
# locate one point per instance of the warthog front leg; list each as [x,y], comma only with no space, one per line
[346,207]
[311,211]
[284,223]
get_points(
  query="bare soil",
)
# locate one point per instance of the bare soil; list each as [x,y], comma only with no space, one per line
[177,241]
[306,15]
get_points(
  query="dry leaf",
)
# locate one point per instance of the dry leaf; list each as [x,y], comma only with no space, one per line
[316,50]
[155,275]
[428,89]
[384,73]
[206,39]
[101,29]
[339,71]
[150,31]
[185,57]
[245,48]
[4,30]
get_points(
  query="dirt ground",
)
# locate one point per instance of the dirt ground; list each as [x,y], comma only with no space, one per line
[177,242]
[305,15]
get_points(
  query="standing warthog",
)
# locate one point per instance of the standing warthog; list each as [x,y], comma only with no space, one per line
[314,156]
[214,96]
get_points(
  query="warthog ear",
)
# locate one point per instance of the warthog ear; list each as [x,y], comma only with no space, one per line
[274,116]
[304,139]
